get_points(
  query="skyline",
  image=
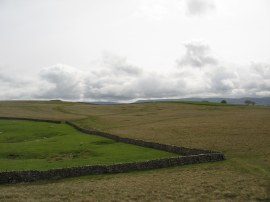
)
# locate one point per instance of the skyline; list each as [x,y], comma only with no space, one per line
[129,50]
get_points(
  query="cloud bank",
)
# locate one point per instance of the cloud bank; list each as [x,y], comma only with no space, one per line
[197,74]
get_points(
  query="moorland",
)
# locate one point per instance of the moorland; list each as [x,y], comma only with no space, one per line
[241,132]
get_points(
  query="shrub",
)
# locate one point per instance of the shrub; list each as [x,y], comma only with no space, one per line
[223,102]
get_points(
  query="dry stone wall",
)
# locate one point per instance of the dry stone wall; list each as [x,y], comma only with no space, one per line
[31,119]
[164,147]
[34,175]
[190,156]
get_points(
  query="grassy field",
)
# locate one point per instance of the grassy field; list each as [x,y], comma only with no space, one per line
[41,146]
[241,132]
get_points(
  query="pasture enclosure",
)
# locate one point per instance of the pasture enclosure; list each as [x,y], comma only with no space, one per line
[241,132]
[41,146]
[37,145]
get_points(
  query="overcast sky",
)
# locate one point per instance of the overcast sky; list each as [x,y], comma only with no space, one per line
[123,50]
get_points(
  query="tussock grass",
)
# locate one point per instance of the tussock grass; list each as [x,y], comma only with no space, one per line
[242,132]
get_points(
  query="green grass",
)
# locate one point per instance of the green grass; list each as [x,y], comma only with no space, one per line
[241,132]
[41,145]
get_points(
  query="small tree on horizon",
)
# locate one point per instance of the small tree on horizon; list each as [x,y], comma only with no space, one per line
[223,102]
[249,102]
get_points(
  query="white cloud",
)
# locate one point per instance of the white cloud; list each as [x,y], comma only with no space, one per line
[199,7]
[197,55]
[198,73]
[214,77]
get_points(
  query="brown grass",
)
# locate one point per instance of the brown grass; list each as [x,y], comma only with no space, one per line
[243,133]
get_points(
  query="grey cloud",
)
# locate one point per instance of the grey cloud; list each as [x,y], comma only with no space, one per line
[5,79]
[204,73]
[199,7]
[111,79]
[119,65]
[63,82]
[144,86]
[11,80]
[223,80]
[156,86]
[216,78]
[197,55]
[123,86]
[14,87]
[114,79]
[259,78]
[262,68]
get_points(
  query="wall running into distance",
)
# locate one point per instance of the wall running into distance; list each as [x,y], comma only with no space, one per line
[188,156]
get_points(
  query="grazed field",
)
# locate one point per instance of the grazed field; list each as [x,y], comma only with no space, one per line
[41,146]
[241,132]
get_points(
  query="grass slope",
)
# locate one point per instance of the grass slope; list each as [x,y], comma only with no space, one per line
[241,132]
[40,145]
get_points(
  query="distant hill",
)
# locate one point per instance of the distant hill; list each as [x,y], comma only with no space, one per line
[100,103]
[259,101]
